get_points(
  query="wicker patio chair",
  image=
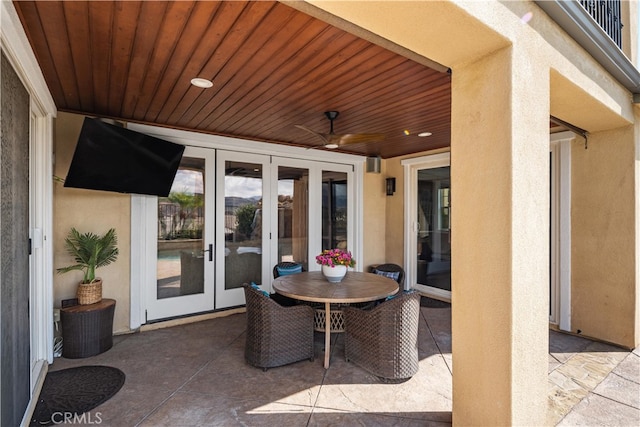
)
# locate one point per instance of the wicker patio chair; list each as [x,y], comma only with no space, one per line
[394,271]
[384,340]
[276,335]
[286,267]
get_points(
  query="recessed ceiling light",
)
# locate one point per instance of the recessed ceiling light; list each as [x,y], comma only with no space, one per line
[200,82]
[423,134]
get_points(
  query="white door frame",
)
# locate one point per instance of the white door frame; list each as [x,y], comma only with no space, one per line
[411,167]
[41,260]
[199,302]
[233,297]
[313,240]
[560,146]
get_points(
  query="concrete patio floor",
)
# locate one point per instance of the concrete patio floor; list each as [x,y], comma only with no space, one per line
[195,375]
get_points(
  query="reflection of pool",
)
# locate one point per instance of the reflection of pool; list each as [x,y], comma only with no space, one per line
[177,245]
[168,264]
[168,270]
[169,255]
[168,273]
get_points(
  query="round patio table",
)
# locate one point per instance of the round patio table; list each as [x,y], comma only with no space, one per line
[355,287]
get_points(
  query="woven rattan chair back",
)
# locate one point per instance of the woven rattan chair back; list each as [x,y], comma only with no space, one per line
[384,340]
[285,265]
[391,268]
[276,335]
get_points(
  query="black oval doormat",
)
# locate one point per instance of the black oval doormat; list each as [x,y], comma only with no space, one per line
[74,391]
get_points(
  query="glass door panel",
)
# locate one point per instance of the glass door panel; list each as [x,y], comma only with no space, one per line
[434,237]
[184,238]
[243,224]
[180,267]
[240,225]
[334,210]
[293,215]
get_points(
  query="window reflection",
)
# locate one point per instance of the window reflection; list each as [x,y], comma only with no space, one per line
[434,240]
[180,262]
[293,215]
[243,223]
[334,210]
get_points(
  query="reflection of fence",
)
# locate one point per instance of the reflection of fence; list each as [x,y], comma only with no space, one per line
[229,223]
[175,222]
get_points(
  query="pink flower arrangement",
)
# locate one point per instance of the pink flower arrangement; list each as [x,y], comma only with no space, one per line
[333,257]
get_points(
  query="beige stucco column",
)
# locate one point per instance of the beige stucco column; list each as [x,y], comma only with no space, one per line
[500,240]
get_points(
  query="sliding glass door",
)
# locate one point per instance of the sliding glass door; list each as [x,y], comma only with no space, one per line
[428,225]
[433,240]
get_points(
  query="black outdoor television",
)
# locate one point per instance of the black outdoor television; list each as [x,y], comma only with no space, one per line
[112,158]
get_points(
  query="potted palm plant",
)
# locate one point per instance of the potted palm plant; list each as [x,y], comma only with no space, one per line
[90,251]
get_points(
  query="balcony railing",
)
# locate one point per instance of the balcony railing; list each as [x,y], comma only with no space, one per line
[607,14]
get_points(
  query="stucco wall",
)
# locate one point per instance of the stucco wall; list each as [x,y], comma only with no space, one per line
[603,290]
[374,203]
[394,231]
[88,210]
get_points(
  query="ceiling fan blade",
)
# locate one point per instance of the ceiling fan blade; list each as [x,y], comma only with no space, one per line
[331,140]
[322,136]
[356,138]
[328,140]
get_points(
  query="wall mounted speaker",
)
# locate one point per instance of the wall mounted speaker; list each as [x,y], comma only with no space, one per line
[373,164]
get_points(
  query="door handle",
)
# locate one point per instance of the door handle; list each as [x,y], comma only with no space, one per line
[210,250]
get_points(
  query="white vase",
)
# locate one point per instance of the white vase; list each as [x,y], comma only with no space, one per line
[334,274]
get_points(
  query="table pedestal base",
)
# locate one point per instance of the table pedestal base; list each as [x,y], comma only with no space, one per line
[327,335]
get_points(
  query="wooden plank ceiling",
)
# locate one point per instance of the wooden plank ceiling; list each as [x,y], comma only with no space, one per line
[272,67]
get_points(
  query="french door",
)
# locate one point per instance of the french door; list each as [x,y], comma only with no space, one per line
[427,225]
[294,213]
[241,234]
[312,205]
[182,245]
[230,217]
[273,209]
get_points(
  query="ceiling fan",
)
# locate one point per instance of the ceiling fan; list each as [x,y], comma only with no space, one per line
[331,140]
